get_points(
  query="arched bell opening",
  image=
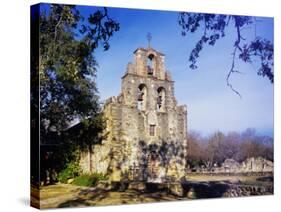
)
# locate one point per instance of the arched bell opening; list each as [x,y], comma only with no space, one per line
[161,99]
[150,65]
[142,97]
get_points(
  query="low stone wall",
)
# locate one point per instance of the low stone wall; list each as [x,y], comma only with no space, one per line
[240,190]
[261,174]
[251,165]
[192,190]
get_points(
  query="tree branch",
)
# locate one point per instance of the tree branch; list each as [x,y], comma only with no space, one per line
[56,27]
[232,71]
[236,46]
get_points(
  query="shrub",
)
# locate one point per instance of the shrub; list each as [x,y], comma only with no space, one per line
[89,179]
[72,170]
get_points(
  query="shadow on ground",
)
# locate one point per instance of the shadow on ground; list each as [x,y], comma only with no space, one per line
[87,197]
[194,187]
[206,189]
[265,179]
[152,193]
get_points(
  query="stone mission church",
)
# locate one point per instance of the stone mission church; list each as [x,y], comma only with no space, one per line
[145,128]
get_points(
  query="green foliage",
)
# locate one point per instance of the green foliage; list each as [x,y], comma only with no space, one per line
[68,89]
[89,179]
[67,65]
[71,171]
[92,130]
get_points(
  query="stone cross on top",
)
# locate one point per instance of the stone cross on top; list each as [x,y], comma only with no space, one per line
[149,37]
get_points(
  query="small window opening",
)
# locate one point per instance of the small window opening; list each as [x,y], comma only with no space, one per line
[150,61]
[152,130]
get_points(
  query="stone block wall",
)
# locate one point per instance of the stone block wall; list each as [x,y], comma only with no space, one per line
[146,143]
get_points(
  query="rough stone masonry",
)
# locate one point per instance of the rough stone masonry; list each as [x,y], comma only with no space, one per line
[145,128]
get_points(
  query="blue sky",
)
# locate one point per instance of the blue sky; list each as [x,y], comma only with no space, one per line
[211,104]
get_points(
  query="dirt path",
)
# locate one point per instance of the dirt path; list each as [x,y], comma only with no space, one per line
[66,195]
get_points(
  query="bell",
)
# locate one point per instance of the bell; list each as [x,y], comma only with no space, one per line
[159,100]
[140,96]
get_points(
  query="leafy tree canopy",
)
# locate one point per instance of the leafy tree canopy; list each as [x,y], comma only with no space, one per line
[67,64]
[213,28]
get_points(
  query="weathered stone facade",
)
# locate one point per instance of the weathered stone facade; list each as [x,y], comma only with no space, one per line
[146,129]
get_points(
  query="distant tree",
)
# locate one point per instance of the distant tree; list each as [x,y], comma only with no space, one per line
[213,28]
[196,150]
[218,147]
[266,143]
[229,148]
[253,145]
[215,146]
